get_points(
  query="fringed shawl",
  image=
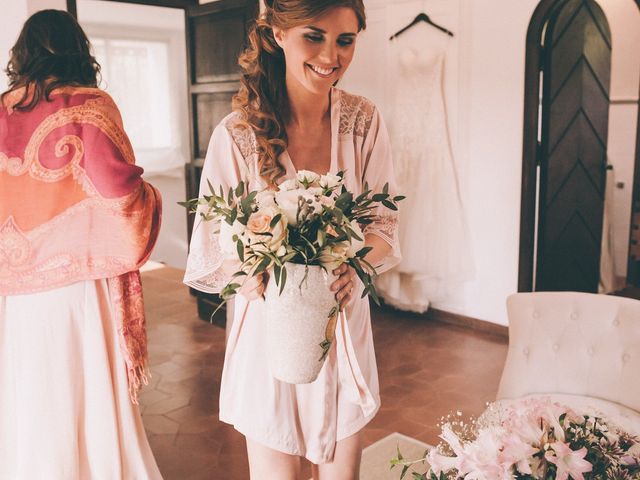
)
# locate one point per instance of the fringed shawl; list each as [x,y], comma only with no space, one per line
[73,207]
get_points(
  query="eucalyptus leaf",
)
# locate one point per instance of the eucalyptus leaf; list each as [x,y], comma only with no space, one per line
[275,220]
[211,189]
[276,270]
[283,279]
[404,471]
[240,249]
[363,251]
[262,266]
[389,205]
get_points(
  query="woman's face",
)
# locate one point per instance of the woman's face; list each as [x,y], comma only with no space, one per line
[318,53]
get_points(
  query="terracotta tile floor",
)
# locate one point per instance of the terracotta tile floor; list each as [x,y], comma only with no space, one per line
[427,370]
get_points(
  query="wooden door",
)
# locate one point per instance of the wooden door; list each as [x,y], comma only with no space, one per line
[216,35]
[575,114]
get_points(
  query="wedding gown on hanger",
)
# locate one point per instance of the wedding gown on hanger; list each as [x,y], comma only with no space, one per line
[433,232]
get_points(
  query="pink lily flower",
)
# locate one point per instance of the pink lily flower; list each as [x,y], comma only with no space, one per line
[569,463]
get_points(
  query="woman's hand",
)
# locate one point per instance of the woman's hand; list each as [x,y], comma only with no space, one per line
[343,286]
[253,287]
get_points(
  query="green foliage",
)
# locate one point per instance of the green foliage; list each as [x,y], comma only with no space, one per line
[316,231]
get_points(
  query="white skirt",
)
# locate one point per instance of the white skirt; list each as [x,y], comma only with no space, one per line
[65,411]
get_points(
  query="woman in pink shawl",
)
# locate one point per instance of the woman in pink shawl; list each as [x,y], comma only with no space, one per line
[289,117]
[76,223]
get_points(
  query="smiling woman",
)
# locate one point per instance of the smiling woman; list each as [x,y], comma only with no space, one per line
[289,117]
[261,98]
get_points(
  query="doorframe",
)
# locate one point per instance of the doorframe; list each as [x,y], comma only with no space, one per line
[530,146]
[633,271]
[72,6]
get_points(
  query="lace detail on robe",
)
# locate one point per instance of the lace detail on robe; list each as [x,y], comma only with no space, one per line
[205,257]
[204,262]
[386,227]
[356,115]
[243,137]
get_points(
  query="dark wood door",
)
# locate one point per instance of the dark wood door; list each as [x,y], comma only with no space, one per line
[216,35]
[573,162]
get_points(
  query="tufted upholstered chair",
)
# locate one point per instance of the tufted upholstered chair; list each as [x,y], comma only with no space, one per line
[581,348]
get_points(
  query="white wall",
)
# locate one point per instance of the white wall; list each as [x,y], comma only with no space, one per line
[13,17]
[143,21]
[36,5]
[496,54]
[484,91]
[624,20]
[484,88]
[14,14]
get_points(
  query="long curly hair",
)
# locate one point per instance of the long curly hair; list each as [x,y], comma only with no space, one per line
[52,51]
[262,98]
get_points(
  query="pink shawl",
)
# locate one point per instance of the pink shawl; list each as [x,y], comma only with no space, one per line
[73,207]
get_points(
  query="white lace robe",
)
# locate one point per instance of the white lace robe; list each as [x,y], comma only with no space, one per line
[304,420]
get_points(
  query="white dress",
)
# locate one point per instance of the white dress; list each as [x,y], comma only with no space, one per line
[433,232]
[65,411]
[308,419]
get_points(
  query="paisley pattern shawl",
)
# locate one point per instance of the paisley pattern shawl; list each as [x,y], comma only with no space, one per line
[73,207]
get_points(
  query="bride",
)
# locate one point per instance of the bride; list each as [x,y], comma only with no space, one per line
[289,117]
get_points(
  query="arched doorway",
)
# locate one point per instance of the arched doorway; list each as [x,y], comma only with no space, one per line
[564,155]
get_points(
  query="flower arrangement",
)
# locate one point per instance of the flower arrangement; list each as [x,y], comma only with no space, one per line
[311,220]
[530,440]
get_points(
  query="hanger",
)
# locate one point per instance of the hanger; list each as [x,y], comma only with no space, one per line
[422,17]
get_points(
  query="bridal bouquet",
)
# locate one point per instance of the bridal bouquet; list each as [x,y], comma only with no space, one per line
[303,230]
[530,440]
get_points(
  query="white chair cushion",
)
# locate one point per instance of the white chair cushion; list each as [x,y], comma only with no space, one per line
[623,417]
[573,343]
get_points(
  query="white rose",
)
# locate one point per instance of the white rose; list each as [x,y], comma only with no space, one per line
[355,243]
[313,191]
[287,201]
[260,223]
[225,236]
[332,256]
[307,177]
[330,181]
[266,198]
[291,184]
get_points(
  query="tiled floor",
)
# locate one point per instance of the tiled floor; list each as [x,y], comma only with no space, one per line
[426,370]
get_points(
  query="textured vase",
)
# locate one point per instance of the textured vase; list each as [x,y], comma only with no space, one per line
[297,323]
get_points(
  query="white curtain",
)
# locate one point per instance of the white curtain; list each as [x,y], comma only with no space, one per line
[136,74]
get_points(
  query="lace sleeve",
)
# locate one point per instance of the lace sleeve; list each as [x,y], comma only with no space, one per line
[378,171]
[386,227]
[205,258]
[224,166]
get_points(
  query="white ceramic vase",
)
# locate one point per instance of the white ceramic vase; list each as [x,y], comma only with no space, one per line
[297,323]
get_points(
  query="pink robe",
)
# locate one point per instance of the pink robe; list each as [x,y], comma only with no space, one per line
[304,420]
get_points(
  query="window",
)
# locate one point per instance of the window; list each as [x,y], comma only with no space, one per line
[136,74]
[139,72]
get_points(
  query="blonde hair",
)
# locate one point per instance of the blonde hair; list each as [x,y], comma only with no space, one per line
[262,98]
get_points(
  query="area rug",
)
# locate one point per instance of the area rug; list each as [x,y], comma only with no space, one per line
[376,457]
